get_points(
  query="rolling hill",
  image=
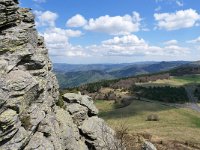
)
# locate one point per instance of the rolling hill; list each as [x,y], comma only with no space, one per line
[185,69]
[76,75]
[139,69]
[73,79]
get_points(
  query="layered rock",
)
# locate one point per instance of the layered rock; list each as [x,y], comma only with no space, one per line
[29,117]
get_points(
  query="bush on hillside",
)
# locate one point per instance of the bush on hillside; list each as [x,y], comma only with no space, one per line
[197,92]
[153,117]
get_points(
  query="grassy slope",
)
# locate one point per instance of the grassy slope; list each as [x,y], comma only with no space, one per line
[177,124]
[188,79]
[180,124]
[175,81]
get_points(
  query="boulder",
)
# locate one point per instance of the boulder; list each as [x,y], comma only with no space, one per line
[79,113]
[83,100]
[99,135]
[148,146]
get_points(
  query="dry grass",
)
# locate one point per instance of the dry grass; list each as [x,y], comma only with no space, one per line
[106,90]
[118,92]
[104,106]
[180,124]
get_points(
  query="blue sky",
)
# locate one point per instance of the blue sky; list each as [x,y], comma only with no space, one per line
[110,31]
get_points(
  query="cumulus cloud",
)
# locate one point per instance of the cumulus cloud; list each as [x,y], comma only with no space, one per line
[116,25]
[129,39]
[171,42]
[123,44]
[46,18]
[113,25]
[195,41]
[76,21]
[58,35]
[57,41]
[131,45]
[180,19]
[76,53]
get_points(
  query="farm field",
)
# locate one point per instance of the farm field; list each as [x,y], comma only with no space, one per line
[174,81]
[180,124]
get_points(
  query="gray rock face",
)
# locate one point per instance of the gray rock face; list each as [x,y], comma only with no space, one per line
[83,100]
[29,117]
[148,146]
[100,135]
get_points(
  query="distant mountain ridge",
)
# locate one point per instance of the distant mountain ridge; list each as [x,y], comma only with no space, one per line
[72,79]
[185,69]
[60,67]
[70,75]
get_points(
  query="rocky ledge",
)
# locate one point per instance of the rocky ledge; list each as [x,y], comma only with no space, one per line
[29,116]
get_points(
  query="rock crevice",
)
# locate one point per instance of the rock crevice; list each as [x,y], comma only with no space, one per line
[29,117]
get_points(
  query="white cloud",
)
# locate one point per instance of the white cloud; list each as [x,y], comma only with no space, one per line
[77,53]
[171,2]
[176,50]
[129,39]
[180,19]
[171,42]
[57,41]
[116,25]
[131,45]
[46,18]
[39,1]
[197,40]
[76,21]
[58,35]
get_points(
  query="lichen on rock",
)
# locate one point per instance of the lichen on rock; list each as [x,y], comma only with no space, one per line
[29,117]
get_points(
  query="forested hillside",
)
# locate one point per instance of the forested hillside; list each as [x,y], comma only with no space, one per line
[76,75]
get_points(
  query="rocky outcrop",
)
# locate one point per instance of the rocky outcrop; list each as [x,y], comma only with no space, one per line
[84,114]
[29,117]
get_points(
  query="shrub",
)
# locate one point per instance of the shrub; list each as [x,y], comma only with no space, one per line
[122,131]
[61,103]
[153,117]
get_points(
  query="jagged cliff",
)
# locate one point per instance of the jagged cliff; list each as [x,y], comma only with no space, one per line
[29,117]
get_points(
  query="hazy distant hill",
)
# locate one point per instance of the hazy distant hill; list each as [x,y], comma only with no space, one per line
[72,79]
[138,69]
[59,67]
[75,75]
